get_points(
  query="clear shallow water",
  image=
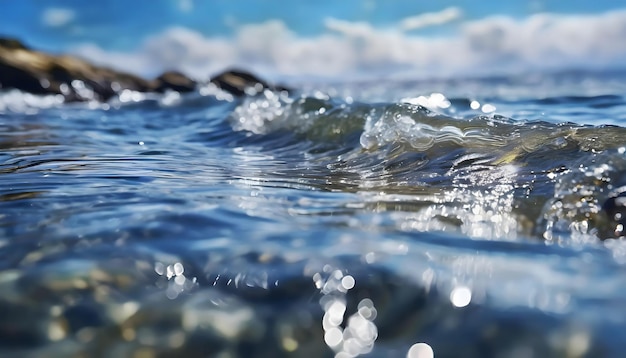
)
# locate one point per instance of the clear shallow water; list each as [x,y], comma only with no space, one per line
[347,219]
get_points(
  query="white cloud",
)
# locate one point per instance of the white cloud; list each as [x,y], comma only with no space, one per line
[349,28]
[132,62]
[542,41]
[175,49]
[430,19]
[185,5]
[57,17]
[420,21]
[549,40]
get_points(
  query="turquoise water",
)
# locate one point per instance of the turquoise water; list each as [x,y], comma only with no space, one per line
[475,217]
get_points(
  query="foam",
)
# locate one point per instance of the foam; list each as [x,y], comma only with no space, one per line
[348,49]
[20,102]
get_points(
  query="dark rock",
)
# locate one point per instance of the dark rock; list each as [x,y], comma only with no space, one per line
[78,80]
[174,81]
[75,79]
[12,43]
[239,83]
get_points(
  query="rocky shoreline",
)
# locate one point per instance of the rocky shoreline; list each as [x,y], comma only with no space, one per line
[75,79]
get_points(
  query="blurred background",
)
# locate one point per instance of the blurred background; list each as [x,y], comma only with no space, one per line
[327,39]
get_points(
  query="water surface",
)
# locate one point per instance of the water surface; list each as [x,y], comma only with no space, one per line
[481,217]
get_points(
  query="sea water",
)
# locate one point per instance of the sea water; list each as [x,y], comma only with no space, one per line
[468,217]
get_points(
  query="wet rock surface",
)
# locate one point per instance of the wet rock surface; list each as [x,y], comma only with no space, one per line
[75,79]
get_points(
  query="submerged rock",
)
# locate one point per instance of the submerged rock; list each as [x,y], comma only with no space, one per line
[615,209]
[75,79]
[113,307]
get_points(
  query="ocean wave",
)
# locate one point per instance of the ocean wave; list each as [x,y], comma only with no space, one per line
[311,225]
[326,118]
[484,175]
[487,176]
[493,44]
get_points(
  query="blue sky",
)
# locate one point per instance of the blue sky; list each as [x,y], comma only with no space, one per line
[124,33]
[123,24]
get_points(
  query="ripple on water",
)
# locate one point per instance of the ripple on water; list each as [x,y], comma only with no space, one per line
[312,226]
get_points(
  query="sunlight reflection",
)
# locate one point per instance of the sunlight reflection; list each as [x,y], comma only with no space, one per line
[488,108]
[461,296]
[177,282]
[420,350]
[349,337]
[433,101]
